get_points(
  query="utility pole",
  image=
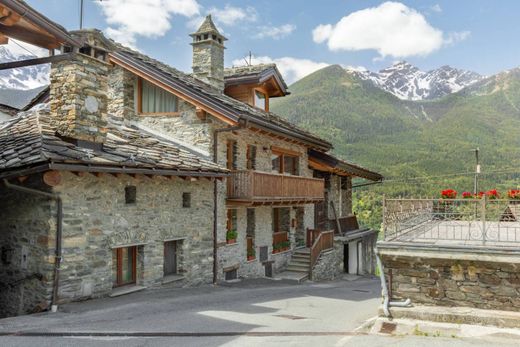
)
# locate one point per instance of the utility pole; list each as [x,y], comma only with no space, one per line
[81,14]
[477,171]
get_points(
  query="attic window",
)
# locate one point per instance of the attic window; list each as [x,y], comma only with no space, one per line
[261,100]
[199,38]
[206,36]
[152,100]
[214,37]
[219,40]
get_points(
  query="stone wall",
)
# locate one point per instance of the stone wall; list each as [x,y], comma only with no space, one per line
[78,97]
[27,237]
[330,264]
[451,282]
[97,220]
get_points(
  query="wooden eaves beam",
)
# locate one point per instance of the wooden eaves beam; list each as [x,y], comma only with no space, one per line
[35,61]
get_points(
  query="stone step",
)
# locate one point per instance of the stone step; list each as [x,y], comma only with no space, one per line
[304,251]
[301,256]
[293,276]
[299,262]
[299,268]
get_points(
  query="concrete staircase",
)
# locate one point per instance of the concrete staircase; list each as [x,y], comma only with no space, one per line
[298,267]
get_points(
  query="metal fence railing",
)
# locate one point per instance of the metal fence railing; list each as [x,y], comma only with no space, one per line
[455,221]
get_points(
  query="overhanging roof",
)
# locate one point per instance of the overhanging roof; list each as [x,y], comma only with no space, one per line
[255,74]
[210,99]
[20,21]
[327,163]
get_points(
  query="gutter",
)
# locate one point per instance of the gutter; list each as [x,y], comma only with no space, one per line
[59,232]
[240,126]
[33,16]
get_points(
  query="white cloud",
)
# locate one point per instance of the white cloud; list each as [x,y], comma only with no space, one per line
[275,32]
[230,15]
[436,8]
[147,18]
[456,37]
[292,69]
[392,29]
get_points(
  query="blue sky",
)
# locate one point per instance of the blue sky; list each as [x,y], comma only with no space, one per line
[301,36]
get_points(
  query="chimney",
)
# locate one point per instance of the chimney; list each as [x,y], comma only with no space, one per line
[208,54]
[78,96]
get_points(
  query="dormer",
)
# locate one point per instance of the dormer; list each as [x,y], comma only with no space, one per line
[255,84]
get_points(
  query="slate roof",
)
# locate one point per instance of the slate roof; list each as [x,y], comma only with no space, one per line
[235,109]
[19,99]
[258,70]
[207,26]
[30,139]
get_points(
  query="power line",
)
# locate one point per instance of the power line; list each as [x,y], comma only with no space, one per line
[22,47]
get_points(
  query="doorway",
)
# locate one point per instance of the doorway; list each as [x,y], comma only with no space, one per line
[124,271]
[170,258]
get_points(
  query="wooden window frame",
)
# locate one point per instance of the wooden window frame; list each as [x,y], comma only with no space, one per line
[140,102]
[282,153]
[250,160]
[276,220]
[119,266]
[266,95]
[231,159]
[229,219]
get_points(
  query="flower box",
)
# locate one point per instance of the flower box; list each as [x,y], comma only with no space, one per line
[231,241]
[251,257]
[449,194]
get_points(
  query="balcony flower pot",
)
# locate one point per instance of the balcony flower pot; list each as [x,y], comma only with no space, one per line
[514,196]
[250,257]
[231,237]
[448,194]
[492,194]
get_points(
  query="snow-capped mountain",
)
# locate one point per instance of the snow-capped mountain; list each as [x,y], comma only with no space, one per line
[22,78]
[407,82]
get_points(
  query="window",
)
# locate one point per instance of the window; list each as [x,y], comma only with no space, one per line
[251,220]
[281,219]
[261,100]
[230,275]
[231,223]
[130,194]
[251,157]
[124,271]
[170,258]
[154,100]
[285,163]
[232,155]
[186,200]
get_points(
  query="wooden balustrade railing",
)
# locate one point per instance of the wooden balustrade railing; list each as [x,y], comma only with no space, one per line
[312,234]
[323,242]
[249,185]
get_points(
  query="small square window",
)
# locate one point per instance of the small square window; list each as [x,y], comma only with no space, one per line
[230,275]
[130,194]
[186,200]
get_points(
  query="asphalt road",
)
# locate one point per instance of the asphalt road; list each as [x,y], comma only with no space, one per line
[250,313]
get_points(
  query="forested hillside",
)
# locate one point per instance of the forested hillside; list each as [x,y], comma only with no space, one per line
[412,143]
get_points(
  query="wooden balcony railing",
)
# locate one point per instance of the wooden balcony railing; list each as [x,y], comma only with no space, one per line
[323,242]
[261,187]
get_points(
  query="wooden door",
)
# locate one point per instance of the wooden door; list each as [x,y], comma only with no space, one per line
[126,258]
[170,258]
[320,215]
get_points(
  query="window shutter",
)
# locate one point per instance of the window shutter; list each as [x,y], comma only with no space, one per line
[235,155]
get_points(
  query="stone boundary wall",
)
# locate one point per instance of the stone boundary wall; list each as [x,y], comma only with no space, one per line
[330,264]
[449,282]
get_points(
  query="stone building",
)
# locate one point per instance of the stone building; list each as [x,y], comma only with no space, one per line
[135,174]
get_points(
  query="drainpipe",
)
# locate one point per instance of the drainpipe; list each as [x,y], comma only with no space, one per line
[386,298]
[240,126]
[59,228]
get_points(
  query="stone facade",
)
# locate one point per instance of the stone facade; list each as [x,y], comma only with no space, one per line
[96,220]
[27,238]
[78,94]
[456,281]
[330,264]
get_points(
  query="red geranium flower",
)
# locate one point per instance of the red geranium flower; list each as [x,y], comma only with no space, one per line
[467,195]
[492,194]
[514,194]
[449,194]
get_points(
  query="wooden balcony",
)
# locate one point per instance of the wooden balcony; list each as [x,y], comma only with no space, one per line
[248,187]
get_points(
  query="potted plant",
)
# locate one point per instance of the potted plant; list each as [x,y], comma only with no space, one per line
[467,195]
[449,194]
[492,194]
[251,255]
[231,237]
[514,195]
[276,248]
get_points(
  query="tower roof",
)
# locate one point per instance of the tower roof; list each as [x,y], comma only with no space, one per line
[208,27]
